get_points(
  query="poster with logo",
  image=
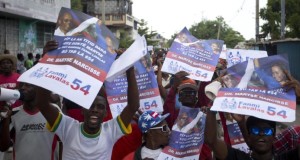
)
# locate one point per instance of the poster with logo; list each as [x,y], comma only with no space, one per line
[78,67]
[255,88]
[235,56]
[187,136]
[197,57]
[147,85]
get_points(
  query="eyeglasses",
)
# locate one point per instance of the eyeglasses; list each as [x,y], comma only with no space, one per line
[163,128]
[188,93]
[267,131]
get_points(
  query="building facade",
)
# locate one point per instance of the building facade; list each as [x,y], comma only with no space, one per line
[26,25]
[118,15]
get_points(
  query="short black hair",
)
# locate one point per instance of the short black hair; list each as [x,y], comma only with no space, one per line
[253,121]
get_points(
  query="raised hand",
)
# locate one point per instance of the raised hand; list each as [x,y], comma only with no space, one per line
[179,77]
[50,45]
[238,117]
[292,83]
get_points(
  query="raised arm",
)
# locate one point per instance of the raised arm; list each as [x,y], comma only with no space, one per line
[43,102]
[162,90]
[218,146]
[133,100]
[43,96]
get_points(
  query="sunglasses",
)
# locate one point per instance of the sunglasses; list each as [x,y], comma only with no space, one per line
[188,93]
[267,131]
[163,128]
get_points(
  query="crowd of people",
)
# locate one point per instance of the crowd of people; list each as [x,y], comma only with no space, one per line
[44,125]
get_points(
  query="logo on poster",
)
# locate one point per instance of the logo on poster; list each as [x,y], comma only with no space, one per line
[232,104]
[39,72]
[235,59]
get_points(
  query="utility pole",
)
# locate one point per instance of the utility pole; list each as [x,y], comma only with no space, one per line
[103,12]
[282,34]
[219,30]
[257,21]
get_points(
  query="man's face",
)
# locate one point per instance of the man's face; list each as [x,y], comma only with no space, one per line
[93,117]
[6,66]
[261,143]
[188,97]
[28,91]
[161,135]
[183,120]
[65,23]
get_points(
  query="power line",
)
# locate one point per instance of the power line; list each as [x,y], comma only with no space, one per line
[238,11]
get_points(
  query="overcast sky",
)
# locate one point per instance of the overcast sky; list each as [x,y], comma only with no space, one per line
[170,16]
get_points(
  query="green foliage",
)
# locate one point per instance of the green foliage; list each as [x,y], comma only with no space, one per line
[149,35]
[125,39]
[76,5]
[208,29]
[272,15]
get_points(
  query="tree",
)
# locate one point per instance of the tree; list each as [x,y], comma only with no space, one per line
[76,5]
[210,29]
[144,30]
[125,39]
[272,15]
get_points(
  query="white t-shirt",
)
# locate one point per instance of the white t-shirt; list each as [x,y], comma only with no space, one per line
[32,139]
[149,153]
[79,145]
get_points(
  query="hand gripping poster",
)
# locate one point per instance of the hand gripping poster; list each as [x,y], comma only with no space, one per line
[197,57]
[148,89]
[78,67]
[187,136]
[255,87]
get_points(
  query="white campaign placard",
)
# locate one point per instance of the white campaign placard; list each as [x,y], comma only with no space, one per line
[78,67]
[253,90]
[235,56]
[197,57]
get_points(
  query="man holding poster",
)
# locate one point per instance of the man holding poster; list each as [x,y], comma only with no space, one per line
[261,134]
[91,139]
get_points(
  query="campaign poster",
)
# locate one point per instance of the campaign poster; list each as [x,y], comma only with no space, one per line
[237,140]
[127,59]
[235,56]
[187,136]
[78,67]
[147,85]
[255,88]
[197,57]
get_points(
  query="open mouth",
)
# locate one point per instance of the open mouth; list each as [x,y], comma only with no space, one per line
[94,119]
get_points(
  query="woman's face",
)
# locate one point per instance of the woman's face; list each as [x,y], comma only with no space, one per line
[278,74]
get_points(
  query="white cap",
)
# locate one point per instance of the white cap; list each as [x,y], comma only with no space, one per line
[212,89]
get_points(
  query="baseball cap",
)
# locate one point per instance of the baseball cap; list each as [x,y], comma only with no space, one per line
[150,119]
[188,83]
